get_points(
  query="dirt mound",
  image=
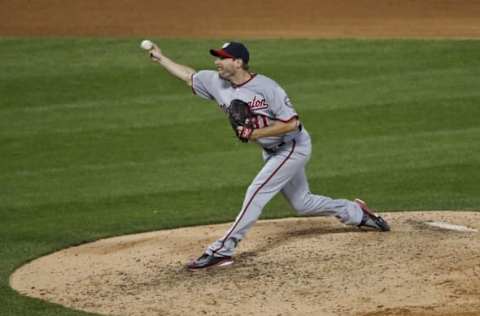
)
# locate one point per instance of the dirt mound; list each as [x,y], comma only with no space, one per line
[299,266]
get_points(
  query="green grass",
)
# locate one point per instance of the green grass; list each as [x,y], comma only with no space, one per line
[97,141]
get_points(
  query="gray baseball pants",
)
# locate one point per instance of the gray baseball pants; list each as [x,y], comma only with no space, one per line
[284,171]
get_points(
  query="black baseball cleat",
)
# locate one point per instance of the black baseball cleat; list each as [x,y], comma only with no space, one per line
[370,219]
[206,261]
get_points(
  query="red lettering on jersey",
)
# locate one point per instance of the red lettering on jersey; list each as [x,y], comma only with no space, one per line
[265,121]
[257,104]
[260,121]
[255,122]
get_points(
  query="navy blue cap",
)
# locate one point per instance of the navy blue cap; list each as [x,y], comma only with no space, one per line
[232,50]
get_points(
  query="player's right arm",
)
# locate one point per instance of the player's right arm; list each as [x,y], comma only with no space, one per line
[182,72]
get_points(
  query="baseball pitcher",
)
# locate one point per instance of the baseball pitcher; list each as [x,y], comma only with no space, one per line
[261,112]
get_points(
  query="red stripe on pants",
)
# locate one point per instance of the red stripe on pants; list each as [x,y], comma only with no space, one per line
[253,196]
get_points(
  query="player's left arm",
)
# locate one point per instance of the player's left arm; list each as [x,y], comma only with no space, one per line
[276,129]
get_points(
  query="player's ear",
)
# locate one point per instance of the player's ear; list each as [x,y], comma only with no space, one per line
[238,62]
[242,64]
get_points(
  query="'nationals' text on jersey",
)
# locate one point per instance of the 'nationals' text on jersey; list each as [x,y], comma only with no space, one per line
[265,97]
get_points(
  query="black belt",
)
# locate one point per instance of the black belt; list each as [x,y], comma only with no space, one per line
[274,149]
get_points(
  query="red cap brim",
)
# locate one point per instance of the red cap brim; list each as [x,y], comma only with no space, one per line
[220,53]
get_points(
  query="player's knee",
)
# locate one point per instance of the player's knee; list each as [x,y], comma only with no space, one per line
[299,206]
[252,190]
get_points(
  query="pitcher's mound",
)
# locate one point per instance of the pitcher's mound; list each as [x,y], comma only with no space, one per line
[307,266]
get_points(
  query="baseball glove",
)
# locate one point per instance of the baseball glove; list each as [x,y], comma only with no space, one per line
[239,114]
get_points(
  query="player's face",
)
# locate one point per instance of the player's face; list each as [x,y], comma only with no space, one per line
[227,67]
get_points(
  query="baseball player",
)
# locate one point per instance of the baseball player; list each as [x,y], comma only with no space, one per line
[284,140]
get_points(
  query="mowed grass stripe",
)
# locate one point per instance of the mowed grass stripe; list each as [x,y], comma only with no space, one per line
[426,142]
[428,149]
[376,119]
[137,112]
[393,145]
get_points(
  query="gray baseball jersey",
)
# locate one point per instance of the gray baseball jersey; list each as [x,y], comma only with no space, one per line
[265,97]
[284,169]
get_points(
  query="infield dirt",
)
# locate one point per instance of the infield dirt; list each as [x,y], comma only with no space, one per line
[242,19]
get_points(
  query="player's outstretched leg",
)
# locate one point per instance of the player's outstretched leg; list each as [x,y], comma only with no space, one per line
[356,212]
[298,194]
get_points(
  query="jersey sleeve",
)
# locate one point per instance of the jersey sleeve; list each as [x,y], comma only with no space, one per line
[203,82]
[281,106]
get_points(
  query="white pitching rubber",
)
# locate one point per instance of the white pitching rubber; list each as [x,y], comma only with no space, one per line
[449,226]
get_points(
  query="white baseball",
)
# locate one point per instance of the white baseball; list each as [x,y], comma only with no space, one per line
[146,45]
